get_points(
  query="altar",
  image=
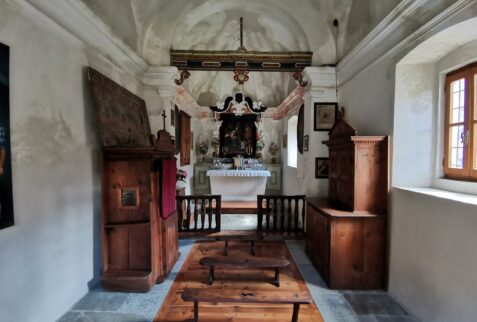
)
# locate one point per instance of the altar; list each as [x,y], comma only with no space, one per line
[238,185]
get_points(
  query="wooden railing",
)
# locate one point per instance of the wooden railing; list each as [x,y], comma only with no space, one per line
[281,213]
[199,213]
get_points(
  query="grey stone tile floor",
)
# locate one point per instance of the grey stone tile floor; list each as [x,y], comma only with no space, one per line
[335,306]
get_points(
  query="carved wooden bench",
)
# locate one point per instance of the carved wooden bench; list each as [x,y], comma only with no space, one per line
[241,296]
[246,238]
[239,262]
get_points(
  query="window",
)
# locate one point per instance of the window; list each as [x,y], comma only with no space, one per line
[292,146]
[460,154]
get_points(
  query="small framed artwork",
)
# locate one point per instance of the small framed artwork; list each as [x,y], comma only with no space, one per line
[322,168]
[306,140]
[192,141]
[325,116]
[285,141]
[173,114]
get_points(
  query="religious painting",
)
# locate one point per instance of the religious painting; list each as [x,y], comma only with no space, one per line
[6,191]
[306,142]
[322,168]
[185,138]
[325,116]
[285,141]
[173,118]
[238,135]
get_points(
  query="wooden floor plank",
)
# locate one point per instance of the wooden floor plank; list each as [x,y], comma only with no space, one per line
[193,275]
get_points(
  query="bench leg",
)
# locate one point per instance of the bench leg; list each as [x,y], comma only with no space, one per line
[277,277]
[211,275]
[253,248]
[296,308]
[196,311]
[226,250]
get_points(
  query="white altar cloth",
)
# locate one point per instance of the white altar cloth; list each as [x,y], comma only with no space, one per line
[238,185]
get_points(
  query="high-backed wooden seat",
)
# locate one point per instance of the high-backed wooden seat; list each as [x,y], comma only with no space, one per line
[199,213]
[285,214]
[239,262]
[240,296]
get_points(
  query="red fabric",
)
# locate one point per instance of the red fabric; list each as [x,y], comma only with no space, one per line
[168,188]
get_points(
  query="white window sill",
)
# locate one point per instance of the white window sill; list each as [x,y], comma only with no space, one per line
[465,187]
[444,194]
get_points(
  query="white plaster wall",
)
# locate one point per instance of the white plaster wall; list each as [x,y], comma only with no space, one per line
[432,240]
[414,125]
[433,256]
[53,253]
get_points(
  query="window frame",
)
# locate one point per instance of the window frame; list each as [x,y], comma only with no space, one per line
[468,173]
[292,143]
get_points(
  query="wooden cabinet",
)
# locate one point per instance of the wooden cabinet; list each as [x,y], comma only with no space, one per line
[348,249]
[139,247]
[358,174]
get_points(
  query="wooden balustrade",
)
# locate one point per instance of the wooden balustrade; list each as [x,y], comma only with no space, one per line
[281,213]
[199,213]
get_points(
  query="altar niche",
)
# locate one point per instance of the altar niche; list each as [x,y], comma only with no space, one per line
[238,135]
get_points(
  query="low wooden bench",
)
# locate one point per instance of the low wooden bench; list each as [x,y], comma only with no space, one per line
[240,296]
[246,238]
[236,262]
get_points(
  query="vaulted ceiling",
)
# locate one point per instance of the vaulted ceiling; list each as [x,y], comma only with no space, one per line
[153,27]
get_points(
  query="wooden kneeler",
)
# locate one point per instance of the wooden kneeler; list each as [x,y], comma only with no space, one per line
[239,296]
[238,262]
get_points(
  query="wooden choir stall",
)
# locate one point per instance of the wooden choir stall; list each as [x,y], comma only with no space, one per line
[346,233]
[138,178]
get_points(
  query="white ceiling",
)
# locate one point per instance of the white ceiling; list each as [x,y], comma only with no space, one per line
[153,27]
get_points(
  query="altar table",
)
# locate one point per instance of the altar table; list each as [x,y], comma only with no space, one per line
[238,185]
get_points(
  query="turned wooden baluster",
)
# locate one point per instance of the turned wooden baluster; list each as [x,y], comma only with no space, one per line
[275,213]
[218,212]
[202,213]
[289,215]
[282,225]
[267,215]
[297,201]
[188,215]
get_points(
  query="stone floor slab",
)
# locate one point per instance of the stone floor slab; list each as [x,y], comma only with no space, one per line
[364,303]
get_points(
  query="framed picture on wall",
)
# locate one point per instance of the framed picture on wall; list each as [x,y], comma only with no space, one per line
[285,141]
[325,115]
[173,114]
[6,186]
[306,141]
[322,168]
[192,141]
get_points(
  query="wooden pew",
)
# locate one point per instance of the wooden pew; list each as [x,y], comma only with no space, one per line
[240,296]
[246,238]
[239,262]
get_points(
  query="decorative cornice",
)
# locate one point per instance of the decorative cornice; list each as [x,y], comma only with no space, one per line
[383,41]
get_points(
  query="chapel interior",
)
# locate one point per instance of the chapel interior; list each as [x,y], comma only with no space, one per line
[252,160]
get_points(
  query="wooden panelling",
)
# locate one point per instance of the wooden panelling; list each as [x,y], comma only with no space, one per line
[348,249]
[139,247]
